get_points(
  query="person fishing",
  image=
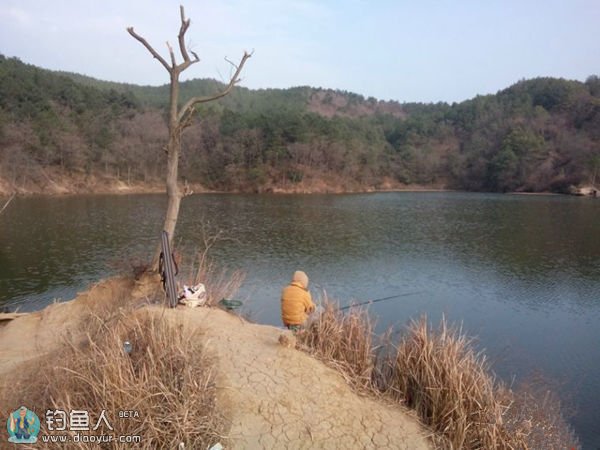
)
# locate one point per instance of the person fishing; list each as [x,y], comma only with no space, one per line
[296,302]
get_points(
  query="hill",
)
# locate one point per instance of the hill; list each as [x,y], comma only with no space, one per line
[541,134]
[326,102]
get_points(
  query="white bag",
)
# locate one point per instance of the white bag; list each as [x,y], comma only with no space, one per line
[193,296]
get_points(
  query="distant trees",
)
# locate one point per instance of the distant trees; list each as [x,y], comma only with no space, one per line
[540,134]
[47,120]
[519,152]
[593,84]
[594,168]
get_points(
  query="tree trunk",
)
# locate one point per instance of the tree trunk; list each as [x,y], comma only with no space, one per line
[173,194]
[173,150]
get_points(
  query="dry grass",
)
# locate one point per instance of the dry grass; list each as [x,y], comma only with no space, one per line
[536,411]
[439,375]
[343,340]
[450,387]
[167,378]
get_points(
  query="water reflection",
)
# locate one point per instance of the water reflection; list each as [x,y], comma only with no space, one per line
[50,247]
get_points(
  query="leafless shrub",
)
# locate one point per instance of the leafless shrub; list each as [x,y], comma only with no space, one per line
[220,282]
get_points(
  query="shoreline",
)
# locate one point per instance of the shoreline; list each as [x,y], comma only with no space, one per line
[102,185]
[112,186]
[199,190]
[538,193]
[60,185]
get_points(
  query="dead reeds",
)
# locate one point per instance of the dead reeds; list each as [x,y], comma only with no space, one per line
[437,373]
[128,360]
[536,411]
[450,386]
[119,356]
[343,340]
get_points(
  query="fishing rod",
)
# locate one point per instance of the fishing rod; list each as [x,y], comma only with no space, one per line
[382,299]
[368,302]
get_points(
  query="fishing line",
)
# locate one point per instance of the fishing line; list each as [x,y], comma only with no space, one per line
[382,299]
[368,302]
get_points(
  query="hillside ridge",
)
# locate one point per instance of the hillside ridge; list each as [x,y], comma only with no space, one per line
[537,135]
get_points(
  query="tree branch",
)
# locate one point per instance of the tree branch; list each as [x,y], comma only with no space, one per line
[149,47]
[171,54]
[185,24]
[232,82]
[7,203]
[185,121]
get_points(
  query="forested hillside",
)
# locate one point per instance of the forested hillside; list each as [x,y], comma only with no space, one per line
[537,135]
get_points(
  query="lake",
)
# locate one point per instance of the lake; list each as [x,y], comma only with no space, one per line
[520,273]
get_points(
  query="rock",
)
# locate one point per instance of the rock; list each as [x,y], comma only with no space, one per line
[288,340]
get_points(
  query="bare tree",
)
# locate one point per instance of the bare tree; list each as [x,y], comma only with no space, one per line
[181,118]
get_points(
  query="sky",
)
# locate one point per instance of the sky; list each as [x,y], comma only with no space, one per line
[409,51]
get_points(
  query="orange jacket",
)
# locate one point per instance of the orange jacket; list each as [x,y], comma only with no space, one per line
[296,302]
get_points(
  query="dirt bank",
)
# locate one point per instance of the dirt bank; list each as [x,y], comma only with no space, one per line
[55,183]
[273,396]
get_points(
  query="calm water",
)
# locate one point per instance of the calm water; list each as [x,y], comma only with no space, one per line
[521,273]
